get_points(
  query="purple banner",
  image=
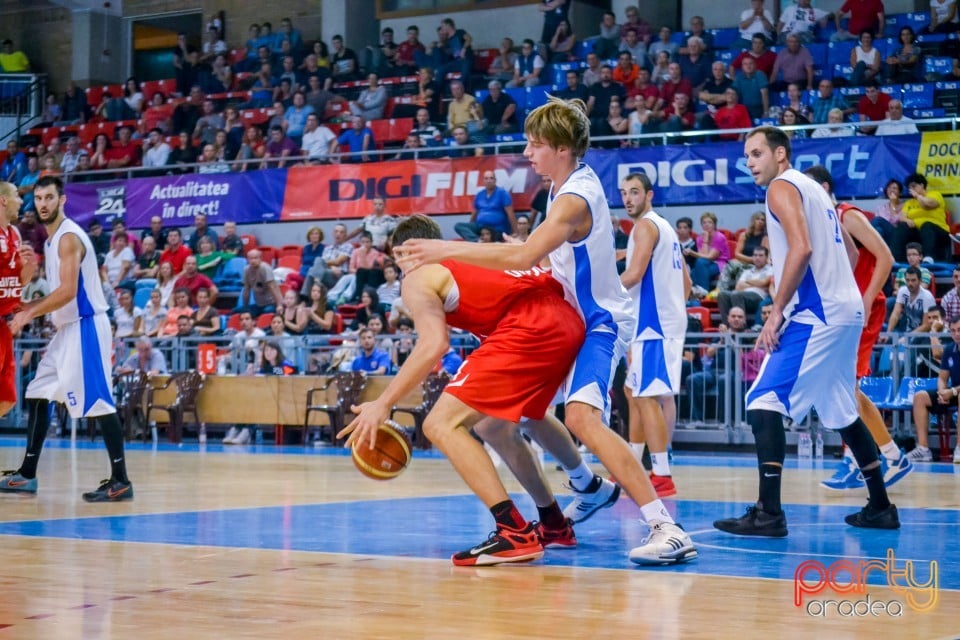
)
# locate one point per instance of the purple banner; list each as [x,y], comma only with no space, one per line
[249,197]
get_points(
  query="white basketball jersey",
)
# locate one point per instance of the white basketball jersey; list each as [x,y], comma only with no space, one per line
[90,300]
[588,269]
[658,302]
[828,293]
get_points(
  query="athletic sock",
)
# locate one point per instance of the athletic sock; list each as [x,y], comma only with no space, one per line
[637,448]
[661,463]
[890,451]
[37,425]
[113,438]
[770,476]
[875,488]
[656,512]
[581,476]
[551,516]
[506,514]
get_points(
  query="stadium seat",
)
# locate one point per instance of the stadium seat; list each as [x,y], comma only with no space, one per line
[819,52]
[937,66]
[290,250]
[918,96]
[289,261]
[249,241]
[723,38]
[146,283]
[263,320]
[141,297]
[233,322]
[903,401]
[703,314]
[839,52]
[231,275]
[268,255]
[878,390]
[535,97]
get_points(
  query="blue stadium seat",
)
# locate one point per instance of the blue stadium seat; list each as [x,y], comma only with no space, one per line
[892,90]
[918,96]
[231,278]
[141,297]
[679,37]
[726,56]
[535,96]
[937,65]
[923,114]
[839,52]
[878,390]
[917,19]
[895,21]
[819,51]
[146,283]
[723,38]
[584,47]
[908,387]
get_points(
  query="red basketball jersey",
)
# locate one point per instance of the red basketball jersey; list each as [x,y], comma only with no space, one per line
[867,262]
[486,295]
[10,286]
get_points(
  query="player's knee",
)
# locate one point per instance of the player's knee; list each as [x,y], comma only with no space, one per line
[921,399]
[581,418]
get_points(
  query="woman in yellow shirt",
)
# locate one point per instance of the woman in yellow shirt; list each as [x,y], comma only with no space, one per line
[923,220]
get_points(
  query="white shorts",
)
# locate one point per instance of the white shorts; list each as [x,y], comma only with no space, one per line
[813,366]
[589,379]
[655,367]
[75,369]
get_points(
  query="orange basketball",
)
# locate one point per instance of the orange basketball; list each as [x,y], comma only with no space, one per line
[389,456]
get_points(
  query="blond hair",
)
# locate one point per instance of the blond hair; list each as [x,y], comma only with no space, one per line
[560,123]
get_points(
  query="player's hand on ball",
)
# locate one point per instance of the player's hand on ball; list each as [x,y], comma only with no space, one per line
[363,428]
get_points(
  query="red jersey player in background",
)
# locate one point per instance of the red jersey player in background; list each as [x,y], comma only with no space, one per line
[529,336]
[18,263]
[871,272]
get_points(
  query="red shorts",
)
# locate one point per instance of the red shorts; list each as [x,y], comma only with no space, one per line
[518,369]
[8,365]
[870,334]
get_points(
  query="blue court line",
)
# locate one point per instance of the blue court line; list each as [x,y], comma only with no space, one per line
[437,527]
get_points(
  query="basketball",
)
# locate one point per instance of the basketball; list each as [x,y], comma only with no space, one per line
[389,456]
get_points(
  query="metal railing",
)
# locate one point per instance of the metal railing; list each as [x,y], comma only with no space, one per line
[22,99]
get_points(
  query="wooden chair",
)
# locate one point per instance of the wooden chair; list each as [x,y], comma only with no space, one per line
[188,385]
[433,386]
[131,389]
[350,386]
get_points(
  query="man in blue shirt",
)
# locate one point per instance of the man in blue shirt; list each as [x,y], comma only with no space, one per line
[493,208]
[371,360]
[15,166]
[359,139]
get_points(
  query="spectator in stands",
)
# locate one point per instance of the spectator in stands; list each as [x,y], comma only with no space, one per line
[261,92]
[663,44]
[866,16]
[636,48]
[800,19]
[600,94]
[713,379]
[458,111]
[500,110]
[13,60]
[896,124]
[412,149]
[428,133]
[527,68]
[951,300]
[452,53]
[794,65]
[159,114]
[607,43]
[311,69]
[538,206]
[371,360]
[461,139]
[213,46]
[156,152]
[688,244]
[372,101]
[51,112]
[320,314]
[293,316]
[187,113]
[751,86]
[523,227]
[133,96]
[312,250]
[713,91]
[206,319]
[924,219]
[389,291]
[711,254]
[119,226]
[835,127]
[25,186]
[562,43]
[232,244]
[157,232]
[493,208]
[165,279]
[366,271]
[260,293]
[73,106]
[796,102]
[379,224]
[154,314]
[889,211]
[944,17]
[912,302]
[319,97]
[943,399]
[502,66]
[125,152]
[873,105]
[291,35]
[175,251]
[754,21]
[335,261]
[71,157]
[148,262]
[826,101]
[15,166]
[247,342]
[695,65]
[289,72]
[752,287]
[99,240]
[676,116]
[865,60]
[192,280]
[280,151]
[201,230]
[732,115]
[698,29]
[32,232]
[295,118]
[344,66]
[147,359]
[181,307]
[637,24]
[914,259]
[626,71]
[905,64]
[358,139]
[764,58]
[574,89]
[675,84]
[208,124]
[253,149]
[211,162]
[591,75]
[317,139]
[406,60]
[118,261]
[643,93]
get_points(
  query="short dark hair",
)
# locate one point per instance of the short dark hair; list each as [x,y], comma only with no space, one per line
[915,178]
[366,235]
[416,226]
[685,220]
[388,30]
[915,246]
[912,271]
[775,138]
[819,173]
[760,247]
[47,181]
[642,178]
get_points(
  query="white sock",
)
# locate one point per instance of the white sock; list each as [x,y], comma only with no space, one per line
[637,448]
[656,512]
[891,451]
[580,476]
[660,463]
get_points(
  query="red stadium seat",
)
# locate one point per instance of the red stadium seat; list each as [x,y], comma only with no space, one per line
[290,250]
[703,314]
[263,320]
[234,322]
[289,262]
[626,225]
[268,254]
[249,241]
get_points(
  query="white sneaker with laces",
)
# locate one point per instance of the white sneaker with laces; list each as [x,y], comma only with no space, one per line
[231,436]
[243,437]
[666,544]
[585,503]
[920,454]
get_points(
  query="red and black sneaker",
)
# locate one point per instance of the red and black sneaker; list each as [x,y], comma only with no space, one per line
[564,537]
[503,545]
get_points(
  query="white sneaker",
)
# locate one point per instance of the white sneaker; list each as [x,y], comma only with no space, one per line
[920,454]
[243,437]
[231,436]
[956,454]
[587,503]
[666,544]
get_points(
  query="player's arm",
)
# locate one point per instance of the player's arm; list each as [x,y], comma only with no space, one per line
[645,236]
[864,233]
[567,214]
[420,294]
[70,252]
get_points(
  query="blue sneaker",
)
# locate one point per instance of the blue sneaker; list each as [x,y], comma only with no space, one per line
[13,482]
[894,472]
[846,477]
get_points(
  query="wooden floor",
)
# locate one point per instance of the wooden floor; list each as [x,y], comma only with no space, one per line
[248,543]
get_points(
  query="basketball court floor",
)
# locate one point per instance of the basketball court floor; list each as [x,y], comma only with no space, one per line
[287,542]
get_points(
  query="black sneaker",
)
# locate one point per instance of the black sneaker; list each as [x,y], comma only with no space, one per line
[870,518]
[755,522]
[110,491]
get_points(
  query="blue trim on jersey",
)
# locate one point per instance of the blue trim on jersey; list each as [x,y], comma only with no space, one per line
[593,365]
[654,365]
[580,167]
[808,297]
[648,315]
[783,366]
[94,377]
[594,315]
[84,308]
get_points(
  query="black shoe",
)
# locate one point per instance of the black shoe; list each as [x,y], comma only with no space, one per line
[755,522]
[870,518]
[110,491]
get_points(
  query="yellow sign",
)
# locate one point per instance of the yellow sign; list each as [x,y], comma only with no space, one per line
[939,160]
